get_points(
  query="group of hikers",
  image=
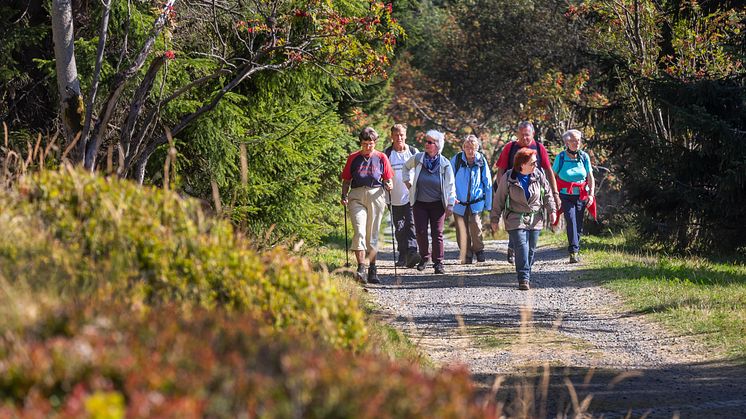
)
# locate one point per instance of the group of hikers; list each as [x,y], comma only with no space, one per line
[423,189]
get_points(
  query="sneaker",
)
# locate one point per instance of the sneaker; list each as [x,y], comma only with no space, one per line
[360,274]
[480,256]
[414,259]
[523,285]
[421,265]
[574,257]
[511,255]
[373,275]
[439,269]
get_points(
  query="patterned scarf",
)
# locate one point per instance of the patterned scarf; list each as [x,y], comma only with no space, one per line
[432,164]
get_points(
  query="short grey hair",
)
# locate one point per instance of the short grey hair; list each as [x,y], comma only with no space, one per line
[471,138]
[437,136]
[572,134]
[526,124]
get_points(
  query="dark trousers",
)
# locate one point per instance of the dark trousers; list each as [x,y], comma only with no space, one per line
[433,215]
[406,238]
[573,208]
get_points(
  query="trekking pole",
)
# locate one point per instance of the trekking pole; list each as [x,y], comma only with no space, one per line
[347,252]
[393,237]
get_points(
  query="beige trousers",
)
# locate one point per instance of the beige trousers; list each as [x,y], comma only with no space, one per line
[469,237]
[366,207]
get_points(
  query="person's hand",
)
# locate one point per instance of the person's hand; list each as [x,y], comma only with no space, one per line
[449,211]
[589,200]
[388,185]
[494,226]
[344,201]
[552,218]
[408,185]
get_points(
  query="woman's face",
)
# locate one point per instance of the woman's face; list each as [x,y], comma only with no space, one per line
[470,149]
[573,144]
[367,146]
[529,166]
[431,146]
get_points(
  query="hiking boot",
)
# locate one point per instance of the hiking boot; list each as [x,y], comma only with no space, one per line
[439,269]
[523,285]
[421,265]
[480,256]
[574,257]
[373,275]
[414,259]
[511,256]
[360,274]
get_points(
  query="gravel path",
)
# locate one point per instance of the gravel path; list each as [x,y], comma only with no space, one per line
[475,315]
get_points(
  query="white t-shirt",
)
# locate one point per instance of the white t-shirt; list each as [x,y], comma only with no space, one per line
[400,193]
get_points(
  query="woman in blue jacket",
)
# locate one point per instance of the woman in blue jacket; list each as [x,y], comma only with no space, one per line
[473,196]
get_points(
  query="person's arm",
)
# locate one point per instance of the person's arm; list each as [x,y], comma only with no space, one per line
[346,179]
[591,182]
[388,173]
[549,174]
[498,202]
[487,183]
[549,204]
[450,185]
[405,173]
[345,191]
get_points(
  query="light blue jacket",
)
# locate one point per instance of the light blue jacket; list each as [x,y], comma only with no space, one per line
[472,184]
[446,178]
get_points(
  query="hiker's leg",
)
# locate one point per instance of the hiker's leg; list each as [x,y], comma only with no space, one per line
[359,220]
[437,221]
[579,213]
[522,264]
[399,216]
[569,203]
[475,232]
[375,215]
[421,221]
[533,241]
[461,237]
[409,232]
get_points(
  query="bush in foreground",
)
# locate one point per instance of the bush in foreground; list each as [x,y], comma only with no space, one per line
[114,361]
[78,235]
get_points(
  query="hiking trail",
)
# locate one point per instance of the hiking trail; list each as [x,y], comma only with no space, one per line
[474,315]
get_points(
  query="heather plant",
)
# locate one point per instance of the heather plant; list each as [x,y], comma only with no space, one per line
[94,360]
[83,236]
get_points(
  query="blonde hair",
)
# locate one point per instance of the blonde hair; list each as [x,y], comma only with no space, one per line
[471,138]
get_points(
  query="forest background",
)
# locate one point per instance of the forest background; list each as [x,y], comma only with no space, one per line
[656,87]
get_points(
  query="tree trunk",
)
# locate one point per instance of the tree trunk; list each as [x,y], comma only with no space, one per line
[72,105]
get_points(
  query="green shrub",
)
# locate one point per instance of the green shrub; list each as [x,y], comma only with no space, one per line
[86,236]
[212,363]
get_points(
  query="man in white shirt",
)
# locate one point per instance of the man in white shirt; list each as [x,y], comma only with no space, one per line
[398,153]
